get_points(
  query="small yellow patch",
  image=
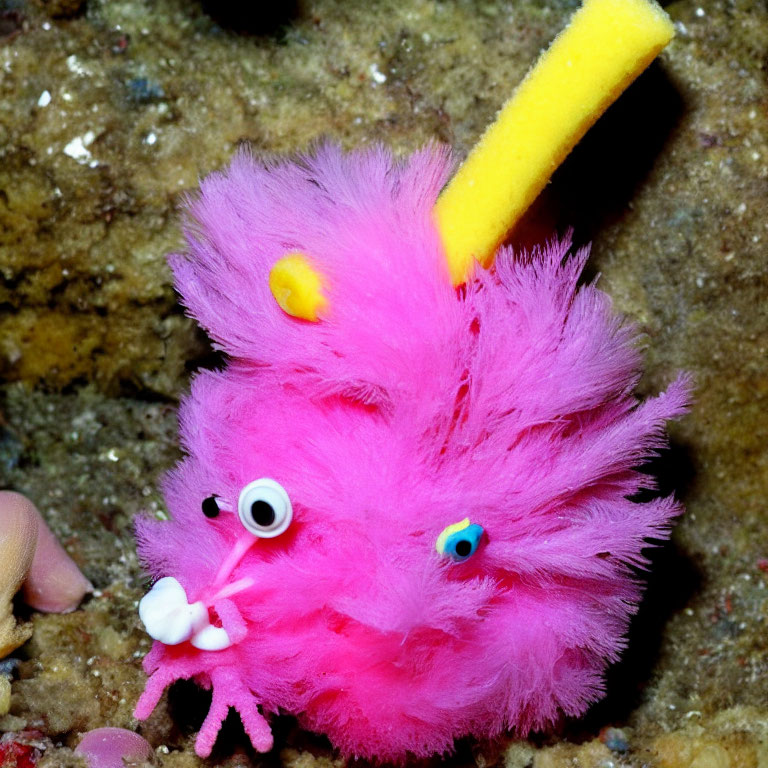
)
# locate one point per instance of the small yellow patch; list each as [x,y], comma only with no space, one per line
[448,531]
[607,44]
[297,287]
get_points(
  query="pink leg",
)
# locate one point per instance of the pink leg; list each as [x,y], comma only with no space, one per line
[206,737]
[153,690]
[228,692]
[256,727]
[162,670]
[154,658]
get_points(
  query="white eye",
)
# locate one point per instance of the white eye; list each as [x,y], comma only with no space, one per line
[264,508]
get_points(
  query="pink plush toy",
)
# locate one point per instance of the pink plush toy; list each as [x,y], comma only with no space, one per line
[404,514]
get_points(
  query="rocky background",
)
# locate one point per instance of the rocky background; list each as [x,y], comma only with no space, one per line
[110,110]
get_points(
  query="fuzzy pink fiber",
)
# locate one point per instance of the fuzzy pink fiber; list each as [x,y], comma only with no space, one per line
[409,407]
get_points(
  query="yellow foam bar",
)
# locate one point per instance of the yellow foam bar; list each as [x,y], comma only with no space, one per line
[607,44]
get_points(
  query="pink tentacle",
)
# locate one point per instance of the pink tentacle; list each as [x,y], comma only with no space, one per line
[231,620]
[228,692]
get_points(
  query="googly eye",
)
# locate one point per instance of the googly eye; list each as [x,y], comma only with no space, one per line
[264,508]
[210,507]
[459,541]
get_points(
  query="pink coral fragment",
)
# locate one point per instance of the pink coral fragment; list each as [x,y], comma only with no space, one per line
[54,583]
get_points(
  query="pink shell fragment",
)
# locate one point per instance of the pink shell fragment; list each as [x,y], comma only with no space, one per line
[108,747]
[19,526]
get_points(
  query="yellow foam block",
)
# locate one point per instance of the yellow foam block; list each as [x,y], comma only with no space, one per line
[607,44]
[297,288]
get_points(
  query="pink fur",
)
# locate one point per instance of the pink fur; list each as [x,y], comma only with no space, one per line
[409,407]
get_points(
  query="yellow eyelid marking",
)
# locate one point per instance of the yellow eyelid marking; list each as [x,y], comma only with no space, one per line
[297,287]
[606,45]
[449,531]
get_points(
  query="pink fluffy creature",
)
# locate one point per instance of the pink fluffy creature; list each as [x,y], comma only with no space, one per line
[411,520]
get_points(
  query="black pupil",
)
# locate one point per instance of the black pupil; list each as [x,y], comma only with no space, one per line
[463,548]
[210,507]
[262,513]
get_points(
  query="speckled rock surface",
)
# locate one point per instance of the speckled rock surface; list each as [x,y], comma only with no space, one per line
[109,112]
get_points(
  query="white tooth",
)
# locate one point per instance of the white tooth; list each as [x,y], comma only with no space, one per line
[211,638]
[166,614]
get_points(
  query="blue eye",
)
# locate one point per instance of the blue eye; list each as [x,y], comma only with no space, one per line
[459,541]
